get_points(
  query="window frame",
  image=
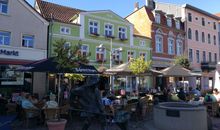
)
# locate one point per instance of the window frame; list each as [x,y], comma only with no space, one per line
[116,53]
[171,49]
[177,22]
[197,56]
[203,37]
[108,30]
[214,39]
[157,50]
[190,17]
[157,18]
[123,32]
[5,36]
[27,40]
[93,27]
[214,25]
[169,22]
[82,50]
[179,48]
[204,56]
[203,21]
[209,38]
[197,35]
[100,51]
[65,30]
[215,57]
[4,3]
[129,55]
[145,55]
[190,54]
[189,33]
[210,56]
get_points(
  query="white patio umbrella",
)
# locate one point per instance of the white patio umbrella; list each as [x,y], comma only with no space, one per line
[217,81]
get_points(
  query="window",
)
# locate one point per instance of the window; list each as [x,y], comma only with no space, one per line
[84,50]
[170,46]
[66,46]
[4,6]
[189,33]
[214,25]
[189,17]
[93,27]
[210,57]
[100,54]
[109,30]
[65,30]
[122,33]
[169,21]
[157,18]
[197,35]
[215,56]
[144,55]
[197,56]
[131,54]
[203,56]
[209,39]
[179,47]
[117,55]
[203,21]
[190,55]
[5,38]
[203,37]
[28,41]
[214,39]
[177,24]
[159,44]
[142,43]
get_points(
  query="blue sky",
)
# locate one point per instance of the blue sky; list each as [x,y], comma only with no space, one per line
[125,7]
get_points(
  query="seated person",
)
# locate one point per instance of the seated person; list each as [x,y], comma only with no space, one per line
[107,102]
[28,105]
[34,100]
[209,97]
[181,94]
[51,103]
[216,94]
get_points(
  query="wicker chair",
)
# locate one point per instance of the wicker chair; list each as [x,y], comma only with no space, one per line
[51,113]
[30,113]
[212,108]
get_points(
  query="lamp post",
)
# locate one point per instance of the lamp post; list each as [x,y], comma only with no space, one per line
[111,52]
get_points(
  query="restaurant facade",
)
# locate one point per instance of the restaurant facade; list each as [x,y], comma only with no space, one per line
[23,39]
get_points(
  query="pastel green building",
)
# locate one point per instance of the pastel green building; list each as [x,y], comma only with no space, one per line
[95,29]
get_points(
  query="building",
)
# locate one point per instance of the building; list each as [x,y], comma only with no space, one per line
[94,29]
[23,39]
[167,34]
[202,45]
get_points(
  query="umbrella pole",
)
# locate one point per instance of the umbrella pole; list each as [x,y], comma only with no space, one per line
[59,77]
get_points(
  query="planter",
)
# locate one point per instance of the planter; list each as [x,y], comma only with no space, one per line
[56,124]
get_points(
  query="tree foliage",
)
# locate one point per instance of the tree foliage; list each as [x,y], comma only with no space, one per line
[68,56]
[139,66]
[183,61]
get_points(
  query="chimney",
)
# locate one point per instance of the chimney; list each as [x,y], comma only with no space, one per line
[150,4]
[136,6]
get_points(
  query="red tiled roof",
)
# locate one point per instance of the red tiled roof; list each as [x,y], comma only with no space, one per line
[57,12]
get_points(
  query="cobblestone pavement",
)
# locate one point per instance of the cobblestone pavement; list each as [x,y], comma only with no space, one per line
[146,124]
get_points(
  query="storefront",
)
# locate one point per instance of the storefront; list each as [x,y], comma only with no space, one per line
[12,58]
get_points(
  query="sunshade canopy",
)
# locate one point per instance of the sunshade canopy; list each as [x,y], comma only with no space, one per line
[124,69]
[176,71]
[50,65]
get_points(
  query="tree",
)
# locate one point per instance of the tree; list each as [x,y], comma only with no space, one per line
[183,61]
[139,66]
[68,57]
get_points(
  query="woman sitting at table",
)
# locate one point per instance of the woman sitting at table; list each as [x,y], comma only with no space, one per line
[51,103]
[107,103]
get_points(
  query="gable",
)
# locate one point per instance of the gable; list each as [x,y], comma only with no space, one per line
[107,16]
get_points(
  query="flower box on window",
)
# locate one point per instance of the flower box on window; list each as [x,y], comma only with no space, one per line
[109,36]
[123,39]
[100,60]
[94,34]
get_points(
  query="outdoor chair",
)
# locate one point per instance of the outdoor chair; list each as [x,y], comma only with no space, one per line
[132,109]
[212,108]
[29,114]
[51,113]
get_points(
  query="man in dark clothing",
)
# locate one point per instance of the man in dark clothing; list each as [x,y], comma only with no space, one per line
[182,94]
[90,100]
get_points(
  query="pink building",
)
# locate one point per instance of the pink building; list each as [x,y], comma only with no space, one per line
[202,46]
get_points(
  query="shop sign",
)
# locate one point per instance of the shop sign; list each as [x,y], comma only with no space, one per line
[9,52]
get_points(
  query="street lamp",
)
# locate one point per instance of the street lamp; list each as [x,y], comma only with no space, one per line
[120,49]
